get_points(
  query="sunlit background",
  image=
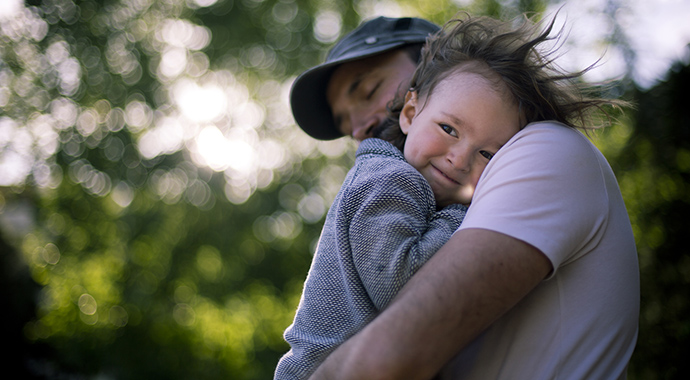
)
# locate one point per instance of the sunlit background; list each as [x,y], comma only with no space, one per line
[159,206]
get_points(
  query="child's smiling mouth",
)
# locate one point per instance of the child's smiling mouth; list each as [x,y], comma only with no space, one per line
[444,175]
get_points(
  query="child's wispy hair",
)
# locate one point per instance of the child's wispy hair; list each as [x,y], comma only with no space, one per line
[500,51]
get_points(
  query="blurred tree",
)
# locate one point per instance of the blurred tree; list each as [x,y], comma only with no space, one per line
[654,174]
[153,187]
[159,208]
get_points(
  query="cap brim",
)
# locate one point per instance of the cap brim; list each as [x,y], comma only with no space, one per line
[308,94]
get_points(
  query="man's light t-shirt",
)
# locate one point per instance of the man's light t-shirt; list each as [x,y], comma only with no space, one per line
[551,187]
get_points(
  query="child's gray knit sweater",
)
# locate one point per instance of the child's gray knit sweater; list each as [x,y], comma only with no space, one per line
[382,227]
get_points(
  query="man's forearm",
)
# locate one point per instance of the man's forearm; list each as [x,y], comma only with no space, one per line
[475,278]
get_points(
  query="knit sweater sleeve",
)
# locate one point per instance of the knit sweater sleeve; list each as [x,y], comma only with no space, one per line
[395,228]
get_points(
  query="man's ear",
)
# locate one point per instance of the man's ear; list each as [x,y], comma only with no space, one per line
[408,111]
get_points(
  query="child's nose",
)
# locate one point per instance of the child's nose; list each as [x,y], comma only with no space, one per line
[460,158]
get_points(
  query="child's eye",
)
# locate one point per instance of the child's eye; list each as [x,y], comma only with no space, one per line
[487,155]
[448,129]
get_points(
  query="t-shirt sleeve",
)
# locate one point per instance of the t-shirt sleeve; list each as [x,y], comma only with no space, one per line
[394,230]
[545,187]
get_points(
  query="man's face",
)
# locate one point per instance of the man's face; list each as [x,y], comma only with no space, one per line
[359,91]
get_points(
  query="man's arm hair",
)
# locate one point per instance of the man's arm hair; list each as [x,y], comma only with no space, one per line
[473,280]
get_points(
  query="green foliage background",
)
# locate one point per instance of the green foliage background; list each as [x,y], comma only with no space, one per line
[123,264]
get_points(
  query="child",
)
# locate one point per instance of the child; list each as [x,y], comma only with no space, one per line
[400,203]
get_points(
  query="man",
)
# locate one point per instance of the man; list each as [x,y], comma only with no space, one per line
[348,94]
[541,281]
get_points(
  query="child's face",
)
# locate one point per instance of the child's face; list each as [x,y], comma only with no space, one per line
[453,133]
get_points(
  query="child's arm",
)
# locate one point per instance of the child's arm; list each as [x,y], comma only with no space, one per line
[395,230]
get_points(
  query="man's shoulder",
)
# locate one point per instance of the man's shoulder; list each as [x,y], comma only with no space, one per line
[549,141]
[550,132]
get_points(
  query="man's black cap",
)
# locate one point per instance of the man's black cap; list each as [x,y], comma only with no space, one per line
[308,94]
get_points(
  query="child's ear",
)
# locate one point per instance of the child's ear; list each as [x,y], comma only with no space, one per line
[408,111]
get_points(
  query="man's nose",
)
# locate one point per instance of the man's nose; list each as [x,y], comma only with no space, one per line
[363,125]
